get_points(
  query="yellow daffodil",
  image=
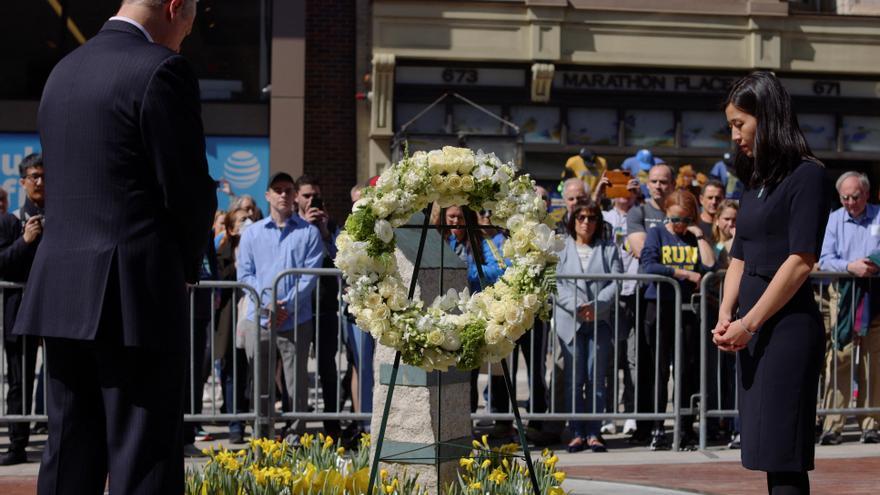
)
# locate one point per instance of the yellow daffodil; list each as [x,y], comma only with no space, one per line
[498,476]
[560,476]
[467,463]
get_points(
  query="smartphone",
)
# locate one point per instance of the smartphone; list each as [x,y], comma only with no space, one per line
[619,180]
[317,202]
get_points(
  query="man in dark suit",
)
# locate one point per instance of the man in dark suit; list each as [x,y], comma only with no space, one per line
[129,216]
[19,237]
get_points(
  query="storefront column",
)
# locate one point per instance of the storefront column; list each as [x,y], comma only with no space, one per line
[287,107]
[382,112]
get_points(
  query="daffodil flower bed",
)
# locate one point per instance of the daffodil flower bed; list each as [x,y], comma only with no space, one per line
[321,467]
[459,329]
[499,471]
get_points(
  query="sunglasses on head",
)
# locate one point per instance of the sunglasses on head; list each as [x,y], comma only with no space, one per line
[587,218]
[684,220]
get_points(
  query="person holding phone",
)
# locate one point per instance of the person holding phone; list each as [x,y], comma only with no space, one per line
[310,207]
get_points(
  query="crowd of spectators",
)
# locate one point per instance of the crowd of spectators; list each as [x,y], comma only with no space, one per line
[609,344]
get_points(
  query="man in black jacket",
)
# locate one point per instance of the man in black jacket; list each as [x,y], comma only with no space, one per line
[19,238]
[130,212]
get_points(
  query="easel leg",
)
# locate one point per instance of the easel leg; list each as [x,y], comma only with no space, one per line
[519,427]
[374,468]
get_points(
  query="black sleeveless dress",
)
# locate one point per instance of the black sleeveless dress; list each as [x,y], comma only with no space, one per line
[778,373]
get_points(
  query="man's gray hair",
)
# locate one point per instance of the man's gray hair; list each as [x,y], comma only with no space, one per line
[863,180]
[575,181]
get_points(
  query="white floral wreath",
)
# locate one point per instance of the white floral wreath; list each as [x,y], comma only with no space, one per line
[487,323]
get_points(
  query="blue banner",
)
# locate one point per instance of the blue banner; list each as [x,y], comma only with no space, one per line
[243,162]
[13,148]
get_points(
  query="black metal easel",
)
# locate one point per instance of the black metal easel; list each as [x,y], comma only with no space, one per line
[476,248]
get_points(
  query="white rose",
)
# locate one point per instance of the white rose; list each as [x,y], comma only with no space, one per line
[373,300]
[494,333]
[513,315]
[497,310]
[397,302]
[381,312]
[439,183]
[435,338]
[466,163]
[451,342]
[390,339]
[467,183]
[453,182]
[436,161]
[383,231]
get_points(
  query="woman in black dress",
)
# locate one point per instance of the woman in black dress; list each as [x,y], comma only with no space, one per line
[768,315]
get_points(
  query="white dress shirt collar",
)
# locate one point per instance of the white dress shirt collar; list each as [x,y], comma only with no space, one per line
[133,23]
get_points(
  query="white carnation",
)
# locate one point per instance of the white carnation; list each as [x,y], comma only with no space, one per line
[383,231]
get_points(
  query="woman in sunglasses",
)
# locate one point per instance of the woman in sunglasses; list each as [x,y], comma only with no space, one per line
[583,314]
[676,249]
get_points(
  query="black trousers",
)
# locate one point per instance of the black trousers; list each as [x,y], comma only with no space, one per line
[195,375]
[658,354]
[21,359]
[533,345]
[327,343]
[116,410]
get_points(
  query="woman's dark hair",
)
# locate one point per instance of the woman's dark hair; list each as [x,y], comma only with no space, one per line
[592,208]
[779,145]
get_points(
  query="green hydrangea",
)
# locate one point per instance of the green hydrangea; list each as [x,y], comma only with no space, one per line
[473,339]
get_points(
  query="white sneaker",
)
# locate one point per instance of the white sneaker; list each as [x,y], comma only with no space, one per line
[609,428]
[629,427]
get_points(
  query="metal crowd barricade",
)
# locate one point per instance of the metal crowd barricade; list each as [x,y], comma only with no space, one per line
[22,416]
[195,400]
[824,283]
[320,274]
[615,414]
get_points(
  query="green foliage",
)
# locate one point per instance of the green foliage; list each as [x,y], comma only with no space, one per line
[473,339]
[360,224]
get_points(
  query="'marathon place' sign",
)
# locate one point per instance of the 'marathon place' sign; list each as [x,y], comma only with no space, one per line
[704,84]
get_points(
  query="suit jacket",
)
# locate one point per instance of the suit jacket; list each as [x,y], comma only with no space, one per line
[16,257]
[570,292]
[129,202]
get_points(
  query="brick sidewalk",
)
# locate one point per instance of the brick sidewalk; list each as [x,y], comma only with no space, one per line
[850,476]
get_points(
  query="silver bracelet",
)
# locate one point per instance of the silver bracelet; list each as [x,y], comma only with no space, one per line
[751,333]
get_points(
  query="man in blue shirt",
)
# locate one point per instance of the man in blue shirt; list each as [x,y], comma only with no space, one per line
[279,242]
[852,235]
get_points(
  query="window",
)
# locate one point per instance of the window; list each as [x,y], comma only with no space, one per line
[820,130]
[592,126]
[431,122]
[648,128]
[704,130]
[537,124]
[861,133]
[471,120]
[224,46]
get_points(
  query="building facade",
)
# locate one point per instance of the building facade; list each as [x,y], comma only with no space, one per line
[617,76]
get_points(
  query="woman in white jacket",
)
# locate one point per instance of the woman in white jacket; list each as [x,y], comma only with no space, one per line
[583,313]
